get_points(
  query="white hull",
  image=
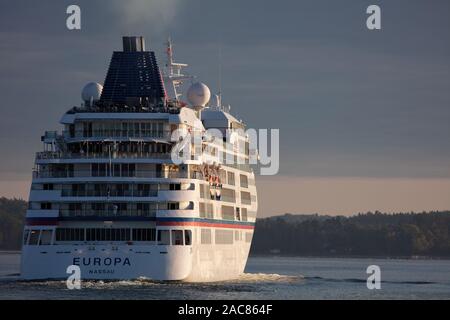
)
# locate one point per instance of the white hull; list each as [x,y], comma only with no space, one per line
[196,263]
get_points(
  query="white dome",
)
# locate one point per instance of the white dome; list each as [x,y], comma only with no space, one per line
[198,94]
[92,90]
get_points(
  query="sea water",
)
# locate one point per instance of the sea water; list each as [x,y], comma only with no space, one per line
[265,278]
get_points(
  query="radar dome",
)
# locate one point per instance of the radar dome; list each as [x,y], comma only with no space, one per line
[198,94]
[91,91]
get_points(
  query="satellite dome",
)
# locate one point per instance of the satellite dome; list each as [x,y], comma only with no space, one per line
[91,91]
[198,94]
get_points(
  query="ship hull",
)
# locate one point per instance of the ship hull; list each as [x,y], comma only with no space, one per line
[196,263]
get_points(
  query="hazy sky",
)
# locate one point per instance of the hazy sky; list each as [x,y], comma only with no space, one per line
[364,116]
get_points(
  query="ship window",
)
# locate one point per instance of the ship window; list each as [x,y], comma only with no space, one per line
[25,236]
[90,234]
[238,214]
[116,170]
[224,236]
[228,195]
[202,209]
[69,234]
[205,236]
[116,235]
[125,171]
[202,192]
[46,237]
[125,234]
[124,129]
[223,176]
[209,210]
[143,234]
[94,168]
[188,237]
[244,181]
[231,178]
[247,148]
[148,129]
[102,169]
[227,213]
[245,198]
[108,235]
[173,205]
[177,237]
[48,186]
[248,237]
[132,169]
[163,237]
[102,235]
[175,186]
[244,214]
[34,237]
[98,234]
[46,206]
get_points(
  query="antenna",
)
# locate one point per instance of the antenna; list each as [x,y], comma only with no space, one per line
[219,94]
[169,55]
[173,77]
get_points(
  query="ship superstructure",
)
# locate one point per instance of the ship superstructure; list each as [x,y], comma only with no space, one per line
[107,196]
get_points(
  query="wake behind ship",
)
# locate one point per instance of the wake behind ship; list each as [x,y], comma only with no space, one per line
[107,196]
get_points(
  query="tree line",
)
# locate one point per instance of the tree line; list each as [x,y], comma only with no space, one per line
[372,234]
[12,217]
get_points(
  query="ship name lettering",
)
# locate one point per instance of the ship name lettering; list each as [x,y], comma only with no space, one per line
[96,261]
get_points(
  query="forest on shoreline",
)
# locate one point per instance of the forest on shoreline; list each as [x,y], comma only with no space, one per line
[371,234]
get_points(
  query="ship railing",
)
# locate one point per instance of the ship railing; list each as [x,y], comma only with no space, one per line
[244,167]
[113,174]
[113,133]
[50,135]
[107,107]
[111,193]
[107,213]
[102,155]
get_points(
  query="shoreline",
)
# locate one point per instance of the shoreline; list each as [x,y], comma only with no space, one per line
[10,252]
[413,258]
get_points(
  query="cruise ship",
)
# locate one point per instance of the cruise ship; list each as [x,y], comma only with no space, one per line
[109,194]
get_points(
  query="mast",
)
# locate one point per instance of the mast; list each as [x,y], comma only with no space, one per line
[173,77]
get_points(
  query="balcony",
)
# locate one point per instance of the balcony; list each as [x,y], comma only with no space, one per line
[102,155]
[111,193]
[110,134]
[107,213]
[129,174]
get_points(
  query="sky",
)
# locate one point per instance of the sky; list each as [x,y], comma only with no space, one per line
[364,116]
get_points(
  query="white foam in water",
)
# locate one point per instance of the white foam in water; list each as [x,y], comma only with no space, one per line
[268,277]
[143,281]
[244,278]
